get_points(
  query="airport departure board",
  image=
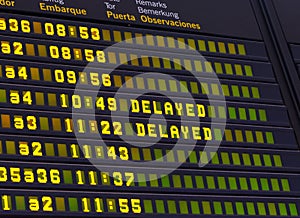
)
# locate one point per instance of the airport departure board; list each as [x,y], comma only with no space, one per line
[137,108]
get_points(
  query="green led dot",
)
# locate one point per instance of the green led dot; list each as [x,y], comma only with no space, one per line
[211,111]
[173,86]
[199,182]
[239,136]
[203,157]
[232,183]
[188,65]
[267,160]
[167,63]
[222,183]
[282,209]
[228,69]
[170,156]
[261,209]
[147,154]
[264,184]
[210,180]
[20,203]
[129,129]
[162,85]
[177,181]
[202,45]
[181,156]
[222,112]
[270,138]
[240,208]
[242,114]
[206,207]
[235,91]
[275,184]
[204,88]
[3,96]
[10,147]
[73,204]
[160,207]
[67,174]
[218,68]
[252,113]
[257,160]
[193,157]
[198,66]
[60,204]
[293,209]
[135,154]
[142,180]
[285,185]
[183,207]
[148,206]
[255,92]
[215,89]
[250,208]
[238,70]
[215,158]
[245,91]
[254,184]
[123,105]
[218,134]
[153,180]
[232,113]
[195,207]
[228,208]
[228,135]
[262,115]
[151,84]
[272,209]
[277,160]
[225,158]
[259,137]
[177,64]
[188,182]
[50,149]
[236,159]
[158,155]
[225,89]
[248,70]
[218,208]
[172,207]
[249,136]
[165,181]
[243,183]
[184,87]
[194,88]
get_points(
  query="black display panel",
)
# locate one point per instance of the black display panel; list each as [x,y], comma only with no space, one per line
[145,109]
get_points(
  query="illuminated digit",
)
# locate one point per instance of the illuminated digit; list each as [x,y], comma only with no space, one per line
[123,153]
[112,104]
[100,104]
[22,73]
[80,177]
[14,97]
[87,151]
[47,203]
[49,29]
[3,26]
[28,176]
[95,33]
[81,126]
[31,123]
[123,204]
[10,72]
[76,101]
[106,80]
[92,177]
[25,25]
[18,122]
[59,76]
[85,205]
[118,179]
[74,151]
[34,204]
[18,48]
[83,32]
[54,176]
[37,149]
[117,128]
[5,47]
[27,97]
[129,178]
[105,126]
[68,125]
[101,56]
[15,174]
[61,30]
[71,77]
[64,101]
[66,53]
[111,152]
[54,52]
[95,79]
[3,174]
[23,149]
[136,205]
[42,176]
[6,202]
[89,55]
[13,25]
[98,205]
